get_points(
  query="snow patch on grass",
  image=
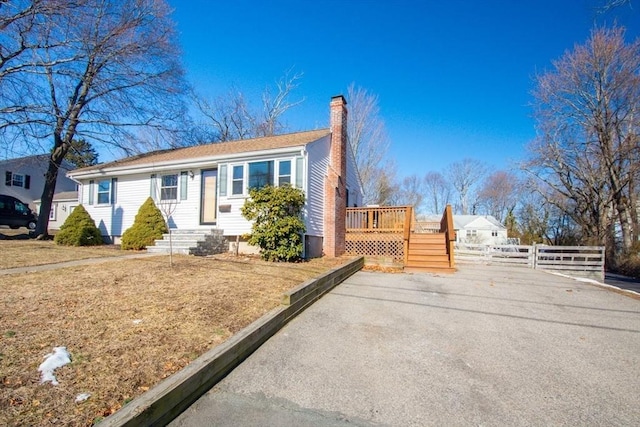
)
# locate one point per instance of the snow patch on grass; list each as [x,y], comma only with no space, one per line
[53,361]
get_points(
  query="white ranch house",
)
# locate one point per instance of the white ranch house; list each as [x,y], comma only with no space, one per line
[206,185]
[480,229]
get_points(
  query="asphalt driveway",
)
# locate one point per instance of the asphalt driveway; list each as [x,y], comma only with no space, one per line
[485,346]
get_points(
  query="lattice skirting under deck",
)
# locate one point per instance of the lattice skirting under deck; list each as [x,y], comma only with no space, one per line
[375,244]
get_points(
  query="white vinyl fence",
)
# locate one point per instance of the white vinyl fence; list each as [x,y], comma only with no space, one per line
[583,261]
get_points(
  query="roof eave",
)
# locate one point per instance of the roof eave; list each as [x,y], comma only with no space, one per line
[181,163]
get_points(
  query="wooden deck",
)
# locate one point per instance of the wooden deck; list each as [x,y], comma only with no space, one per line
[392,232]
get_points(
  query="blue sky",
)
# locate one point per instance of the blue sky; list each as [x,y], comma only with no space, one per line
[453,77]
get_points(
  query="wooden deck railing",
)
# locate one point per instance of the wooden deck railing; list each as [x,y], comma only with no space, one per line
[377,219]
[378,231]
[446,227]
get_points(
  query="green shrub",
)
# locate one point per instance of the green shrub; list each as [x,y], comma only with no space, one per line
[79,229]
[277,228]
[148,226]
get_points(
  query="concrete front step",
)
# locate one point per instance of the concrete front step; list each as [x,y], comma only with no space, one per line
[163,250]
[178,243]
[196,231]
[191,242]
[189,236]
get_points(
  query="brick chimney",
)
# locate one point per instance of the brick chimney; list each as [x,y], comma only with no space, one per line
[335,184]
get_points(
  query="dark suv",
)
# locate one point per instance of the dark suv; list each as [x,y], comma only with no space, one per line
[16,214]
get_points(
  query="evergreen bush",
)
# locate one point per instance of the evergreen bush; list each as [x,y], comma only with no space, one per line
[148,226]
[79,229]
[277,227]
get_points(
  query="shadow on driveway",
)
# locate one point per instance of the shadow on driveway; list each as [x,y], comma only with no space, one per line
[623,282]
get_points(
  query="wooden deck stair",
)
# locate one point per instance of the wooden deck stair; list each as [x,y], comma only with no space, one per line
[427,252]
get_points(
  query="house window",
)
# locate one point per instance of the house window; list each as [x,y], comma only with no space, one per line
[261,174]
[169,187]
[237,181]
[17,180]
[284,172]
[52,212]
[494,233]
[472,233]
[104,192]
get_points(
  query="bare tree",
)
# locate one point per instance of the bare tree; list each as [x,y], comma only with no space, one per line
[411,192]
[437,192]
[368,141]
[499,194]
[386,189]
[609,5]
[99,70]
[465,177]
[540,221]
[230,117]
[588,117]
[19,21]
[274,106]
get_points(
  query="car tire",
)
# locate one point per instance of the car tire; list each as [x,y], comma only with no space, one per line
[31,225]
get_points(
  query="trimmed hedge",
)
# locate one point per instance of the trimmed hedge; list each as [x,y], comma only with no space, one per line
[79,229]
[148,226]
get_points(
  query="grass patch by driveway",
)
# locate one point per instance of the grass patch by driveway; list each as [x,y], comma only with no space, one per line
[127,324]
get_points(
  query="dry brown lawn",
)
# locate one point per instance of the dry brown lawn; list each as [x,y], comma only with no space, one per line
[16,250]
[127,324]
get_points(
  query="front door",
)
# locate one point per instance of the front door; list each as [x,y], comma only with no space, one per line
[208,202]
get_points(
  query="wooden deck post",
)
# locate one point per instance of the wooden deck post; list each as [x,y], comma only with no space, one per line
[408,218]
[451,235]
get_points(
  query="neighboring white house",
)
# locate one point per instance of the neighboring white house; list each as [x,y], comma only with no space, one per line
[24,178]
[482,229]
[206,185]
[62,205]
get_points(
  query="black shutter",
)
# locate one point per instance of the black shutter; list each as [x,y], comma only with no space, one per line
[27,181]
[7,180]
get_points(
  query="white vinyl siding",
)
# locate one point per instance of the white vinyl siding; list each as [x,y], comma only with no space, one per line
[133,190]
[317,166]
